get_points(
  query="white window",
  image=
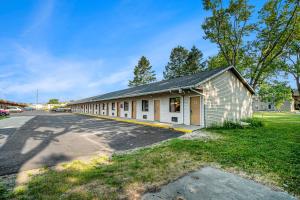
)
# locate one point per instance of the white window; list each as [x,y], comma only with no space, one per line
[145,105]
[126,106]
[175,104]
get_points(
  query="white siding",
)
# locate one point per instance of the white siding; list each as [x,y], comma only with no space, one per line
[149,113]
[123,112]
[226,98]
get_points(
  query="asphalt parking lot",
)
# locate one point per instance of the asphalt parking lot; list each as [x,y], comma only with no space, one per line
[35,139]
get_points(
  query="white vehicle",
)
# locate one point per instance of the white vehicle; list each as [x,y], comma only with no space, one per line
[14,109]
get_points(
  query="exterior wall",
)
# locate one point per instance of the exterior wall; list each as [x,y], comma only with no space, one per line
[183,117]
[259,105]
[226,98]
[123,113]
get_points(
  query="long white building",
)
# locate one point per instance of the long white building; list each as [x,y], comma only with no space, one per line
[202,99]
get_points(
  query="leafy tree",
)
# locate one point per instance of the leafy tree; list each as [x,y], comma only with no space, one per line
[177,61]
[229,27]
[277,92]
[276,26]
[53,101]
[216,61]
[194,62]
[184,62]
[143,73]
[291,57]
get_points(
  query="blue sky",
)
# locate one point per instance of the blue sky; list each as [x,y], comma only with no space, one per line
[70,49]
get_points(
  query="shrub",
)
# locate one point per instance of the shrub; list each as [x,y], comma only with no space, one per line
[232,125]
[254,122]
[3,192]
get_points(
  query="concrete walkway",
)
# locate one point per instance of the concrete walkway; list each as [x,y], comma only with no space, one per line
[210,183]
[176,127]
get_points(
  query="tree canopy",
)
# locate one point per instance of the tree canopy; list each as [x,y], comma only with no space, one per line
[277,92]
[53,101]
[143,73]
[252,47]
[184,62]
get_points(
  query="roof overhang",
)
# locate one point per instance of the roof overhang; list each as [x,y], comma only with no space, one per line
[238,75]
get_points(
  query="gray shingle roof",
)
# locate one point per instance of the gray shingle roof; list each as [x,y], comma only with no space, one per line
[160,86]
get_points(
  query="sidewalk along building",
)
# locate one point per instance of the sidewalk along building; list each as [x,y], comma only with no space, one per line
[201,99]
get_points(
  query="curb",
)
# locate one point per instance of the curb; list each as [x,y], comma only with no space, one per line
[165,126]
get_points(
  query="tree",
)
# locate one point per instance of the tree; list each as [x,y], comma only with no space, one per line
[178,59]
[277,92]
[291,58]
[194,62]
[143,73]
[53,101]
[184,62]
[276,26]
[229,28]
[216,61]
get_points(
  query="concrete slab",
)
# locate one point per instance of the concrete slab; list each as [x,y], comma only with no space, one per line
[210,183]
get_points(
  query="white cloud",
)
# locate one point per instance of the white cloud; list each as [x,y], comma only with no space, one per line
[67,77]
[41,16]
[118,77]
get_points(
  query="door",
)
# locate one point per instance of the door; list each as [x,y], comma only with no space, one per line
[133,109]
[195,110]
[118,109]
[157,110]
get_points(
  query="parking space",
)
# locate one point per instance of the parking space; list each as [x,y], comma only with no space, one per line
[35,139]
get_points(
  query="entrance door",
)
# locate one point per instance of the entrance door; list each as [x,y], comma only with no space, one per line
[133,109]
[118,109]
[157,110]
[195,111]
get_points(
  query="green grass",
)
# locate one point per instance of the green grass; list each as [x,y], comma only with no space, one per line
[269,154]
[3,117]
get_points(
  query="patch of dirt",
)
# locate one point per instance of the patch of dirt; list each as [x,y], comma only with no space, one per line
[200,134]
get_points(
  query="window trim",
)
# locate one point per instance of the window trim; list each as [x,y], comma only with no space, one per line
[144,107]
[126,108]
[170,104]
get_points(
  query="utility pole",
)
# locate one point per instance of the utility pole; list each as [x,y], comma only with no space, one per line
[37,98]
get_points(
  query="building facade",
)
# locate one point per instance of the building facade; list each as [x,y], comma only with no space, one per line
[202,100]
[288,105]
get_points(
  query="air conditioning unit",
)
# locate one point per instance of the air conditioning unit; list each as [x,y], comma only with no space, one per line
[174,119]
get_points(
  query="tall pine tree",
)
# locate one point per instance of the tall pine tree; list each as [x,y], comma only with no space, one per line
[194,62]
[143,73]
[184,62]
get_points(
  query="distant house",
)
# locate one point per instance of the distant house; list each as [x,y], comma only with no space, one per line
[296,97]
[288,106]
[201,99]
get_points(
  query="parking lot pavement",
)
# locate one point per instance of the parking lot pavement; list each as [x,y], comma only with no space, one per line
[35,139]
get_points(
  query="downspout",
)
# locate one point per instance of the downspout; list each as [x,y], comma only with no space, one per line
[183,106]
[204,111]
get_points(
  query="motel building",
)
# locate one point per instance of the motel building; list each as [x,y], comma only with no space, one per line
[201,99]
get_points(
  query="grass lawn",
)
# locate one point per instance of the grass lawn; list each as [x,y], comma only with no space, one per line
[2,117]
[269,154]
